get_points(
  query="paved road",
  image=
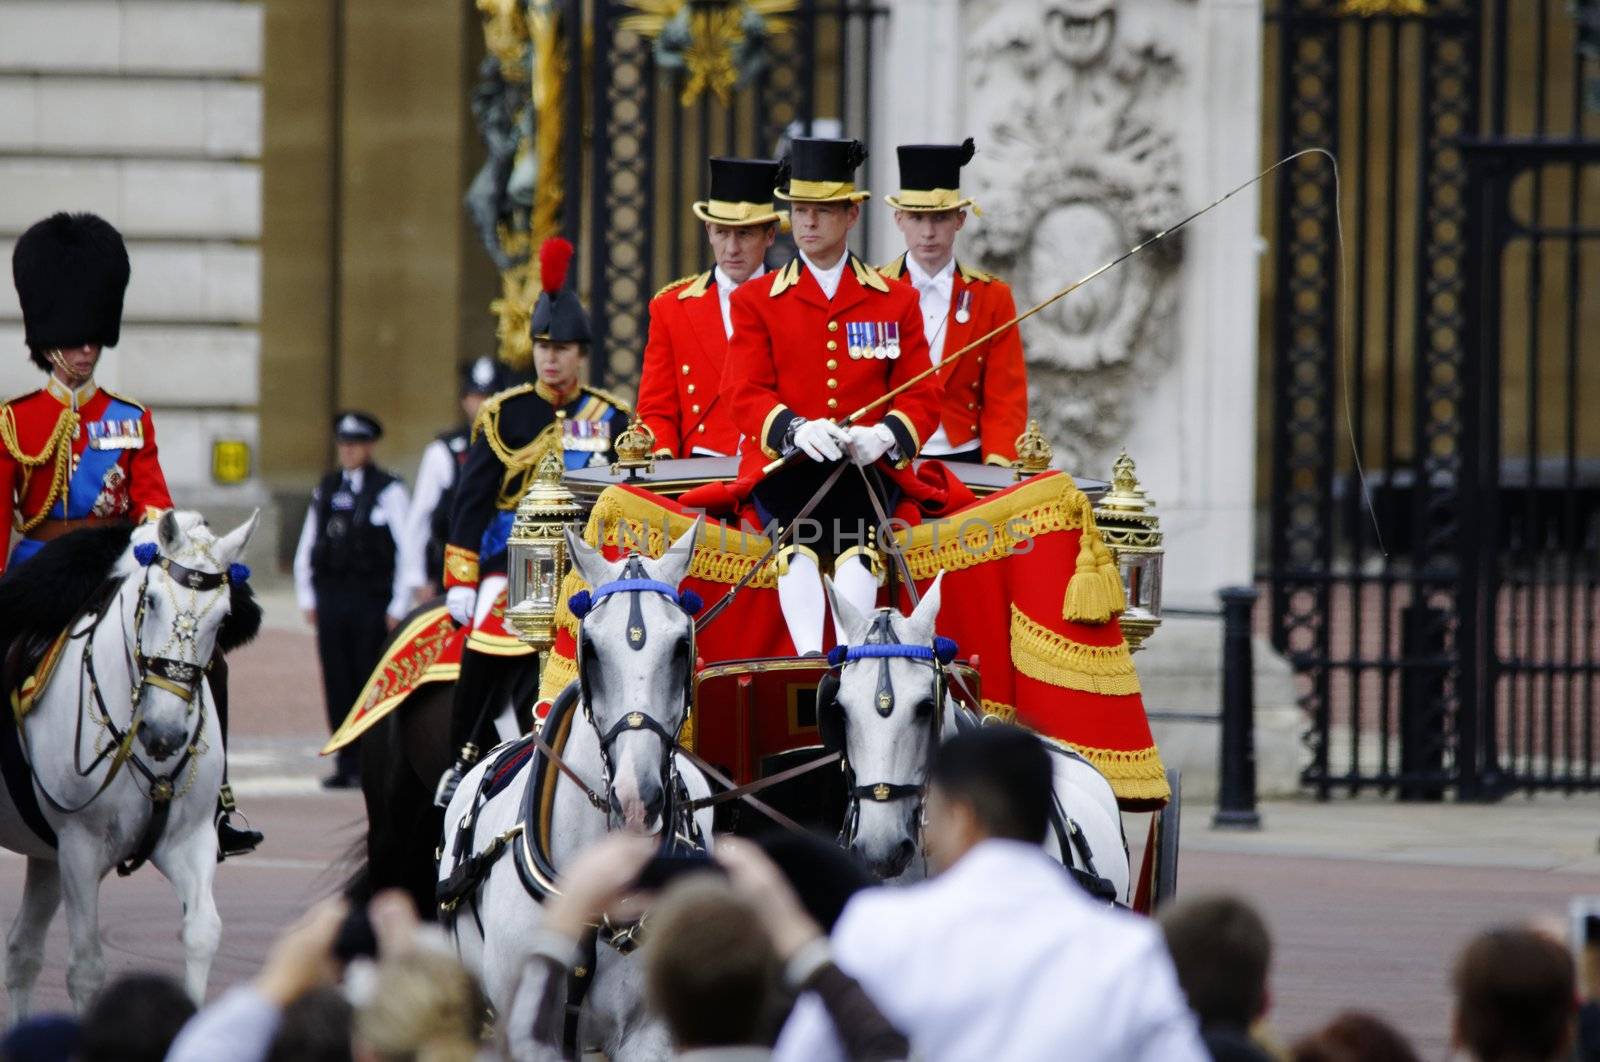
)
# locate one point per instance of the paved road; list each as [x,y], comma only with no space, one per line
[1368,901]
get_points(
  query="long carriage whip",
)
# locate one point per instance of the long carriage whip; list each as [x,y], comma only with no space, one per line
[895,392]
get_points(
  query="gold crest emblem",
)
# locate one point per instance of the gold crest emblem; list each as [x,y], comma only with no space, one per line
[880,792]
[635,720]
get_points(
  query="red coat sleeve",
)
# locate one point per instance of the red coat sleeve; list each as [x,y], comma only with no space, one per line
[917,409]
[9,485]
[750,380]
[658,386]
[147,485]
[1005,383]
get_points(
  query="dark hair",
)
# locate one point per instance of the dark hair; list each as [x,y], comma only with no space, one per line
[1221,950]
[1354,1036]
[710,968]
[135,1018]
[1004,774]
[1515,996]
[821,873]
[315,1028]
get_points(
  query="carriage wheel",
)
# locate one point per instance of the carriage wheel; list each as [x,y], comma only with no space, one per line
[1165,883]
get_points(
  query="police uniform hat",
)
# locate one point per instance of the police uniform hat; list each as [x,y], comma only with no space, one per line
[822,171]
[355,426]
[71,271]
[483,376]
[741,193]
[558,316]
[930,177]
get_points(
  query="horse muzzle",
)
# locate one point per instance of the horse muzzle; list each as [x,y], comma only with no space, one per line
[162,740]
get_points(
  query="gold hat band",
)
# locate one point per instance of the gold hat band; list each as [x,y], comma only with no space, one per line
[803,189]
[929,198]
[738,211]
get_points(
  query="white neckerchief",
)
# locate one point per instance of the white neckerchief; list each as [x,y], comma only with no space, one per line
[725,289]
[935,290]
[827,279]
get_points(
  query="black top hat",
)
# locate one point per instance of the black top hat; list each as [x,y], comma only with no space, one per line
[558,316]
[71,271]
[355,426]
[823,171]
[741,193]
[484,376]
[930,177]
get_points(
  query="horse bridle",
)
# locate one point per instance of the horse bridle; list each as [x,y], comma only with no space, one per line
[883,646]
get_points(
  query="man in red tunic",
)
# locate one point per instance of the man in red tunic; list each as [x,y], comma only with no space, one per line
[812,342]
[73,454]
[680,396]
[985,403]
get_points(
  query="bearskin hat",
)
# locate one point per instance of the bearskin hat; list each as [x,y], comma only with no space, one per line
[71,272]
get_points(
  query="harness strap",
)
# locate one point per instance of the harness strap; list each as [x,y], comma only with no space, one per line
[766,809]
[740,792]
[595,798]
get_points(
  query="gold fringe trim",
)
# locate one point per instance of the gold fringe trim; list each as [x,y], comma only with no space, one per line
[994,529]
[559,671]
[1042,654]
[1003,712]
[724,554]
[1135,775]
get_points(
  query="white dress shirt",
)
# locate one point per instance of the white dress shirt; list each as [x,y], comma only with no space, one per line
[434,476]
[1004,956]
[934,290]
[388,511]
[827,279]
[725,289]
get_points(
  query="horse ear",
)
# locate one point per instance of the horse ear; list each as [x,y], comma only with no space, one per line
[591,564]
[169,532]
[854,623]
[921,622]
[674,564]
[231,546]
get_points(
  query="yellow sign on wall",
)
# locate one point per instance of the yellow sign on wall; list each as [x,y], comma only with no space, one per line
[230,461]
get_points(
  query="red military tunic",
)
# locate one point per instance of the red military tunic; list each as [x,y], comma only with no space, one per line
[790,356]
[107,467]
[985,394]
[680,390]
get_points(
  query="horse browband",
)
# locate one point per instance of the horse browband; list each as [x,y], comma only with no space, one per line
[192,578]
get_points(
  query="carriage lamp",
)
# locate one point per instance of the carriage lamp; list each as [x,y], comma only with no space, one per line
[1034,452]
[1132,531]
[635,449]
[536,553]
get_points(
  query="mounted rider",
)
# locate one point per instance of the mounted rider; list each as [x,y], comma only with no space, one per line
[514,430]
[74,455]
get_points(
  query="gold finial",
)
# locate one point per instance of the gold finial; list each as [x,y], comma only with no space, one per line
[1034,452]
[634,446]
[550,468]
[1125,495]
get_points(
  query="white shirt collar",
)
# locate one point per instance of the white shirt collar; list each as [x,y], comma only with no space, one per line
[945,275]
[356,477]
[828,279]
[725,283]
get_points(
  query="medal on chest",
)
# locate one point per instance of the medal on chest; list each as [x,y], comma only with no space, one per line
[115,434]
[589,436]
[875,340]
[964,306]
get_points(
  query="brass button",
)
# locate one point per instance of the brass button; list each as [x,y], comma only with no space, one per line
[971,405]
[696,408]
[833,326]
[980,359]
[833,385]
[833,403]
[833,363]
[691,388]
[974,386]
[686,368]
[700,428]
[972,427]
[833,344]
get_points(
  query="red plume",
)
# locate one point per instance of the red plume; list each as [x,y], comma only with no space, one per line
[555,255]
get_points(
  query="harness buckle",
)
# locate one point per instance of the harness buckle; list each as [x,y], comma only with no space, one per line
[161,790]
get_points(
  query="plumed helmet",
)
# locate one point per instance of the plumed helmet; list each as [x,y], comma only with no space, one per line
[558,316]
[71,272]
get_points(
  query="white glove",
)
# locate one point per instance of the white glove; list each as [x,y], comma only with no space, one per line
[462,601]
[822,440]
[868,444]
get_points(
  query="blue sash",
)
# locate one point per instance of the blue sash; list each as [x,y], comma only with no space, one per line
[496,535]
[26,548]
[118,430]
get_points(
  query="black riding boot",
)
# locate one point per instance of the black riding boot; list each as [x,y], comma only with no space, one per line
[231,840]
[471,717]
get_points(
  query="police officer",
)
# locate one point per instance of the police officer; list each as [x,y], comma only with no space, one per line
[985,394]
[346,572]
[513,432]
[73,454]
[428,523]
[812,342]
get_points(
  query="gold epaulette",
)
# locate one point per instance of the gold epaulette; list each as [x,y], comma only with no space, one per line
[140,406]
[785,278]
[971,275]
[697,285]
[867,276]
[895,269]
[607,396]
[488,418]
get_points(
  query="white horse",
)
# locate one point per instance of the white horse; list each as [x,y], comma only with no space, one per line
[126,756]
[887,714]
[635,659]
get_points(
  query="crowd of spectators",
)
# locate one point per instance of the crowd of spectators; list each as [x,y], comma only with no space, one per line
[782,949]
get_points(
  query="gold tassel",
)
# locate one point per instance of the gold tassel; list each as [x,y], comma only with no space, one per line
[1088,600]
[1109,571]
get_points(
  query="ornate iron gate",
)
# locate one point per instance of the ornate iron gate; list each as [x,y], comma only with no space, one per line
[1440,615]
[665,84]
